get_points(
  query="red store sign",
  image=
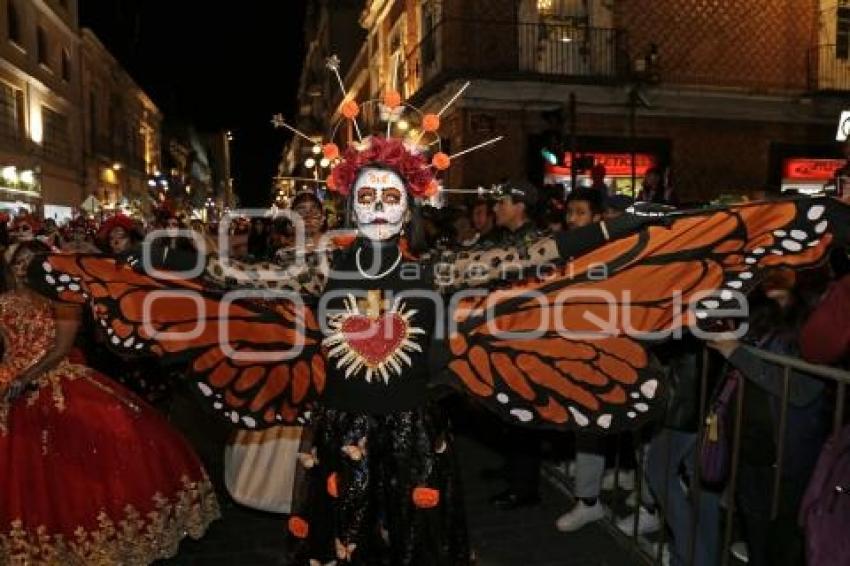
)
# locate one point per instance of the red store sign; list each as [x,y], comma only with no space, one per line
[616,164]
[805,169]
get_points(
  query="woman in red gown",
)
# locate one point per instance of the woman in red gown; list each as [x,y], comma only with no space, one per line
[89,473]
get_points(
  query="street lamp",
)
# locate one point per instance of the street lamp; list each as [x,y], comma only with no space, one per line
[10,174]
[317,165]
[228,188]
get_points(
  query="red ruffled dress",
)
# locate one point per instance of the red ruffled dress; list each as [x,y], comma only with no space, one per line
[89,473]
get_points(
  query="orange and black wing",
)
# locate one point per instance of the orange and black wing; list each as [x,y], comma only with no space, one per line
[256,360]
[569,351]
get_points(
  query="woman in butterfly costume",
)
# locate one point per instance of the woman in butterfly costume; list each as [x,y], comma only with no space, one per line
[357,334]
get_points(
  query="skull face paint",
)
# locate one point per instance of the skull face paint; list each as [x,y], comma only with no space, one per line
[380,203]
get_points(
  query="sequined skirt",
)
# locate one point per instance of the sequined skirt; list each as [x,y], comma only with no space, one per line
[379,490]
[91,474]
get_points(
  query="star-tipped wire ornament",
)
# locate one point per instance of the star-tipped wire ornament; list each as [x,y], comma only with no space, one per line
[332,63]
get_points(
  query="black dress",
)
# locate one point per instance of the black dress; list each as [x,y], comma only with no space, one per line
[378,480]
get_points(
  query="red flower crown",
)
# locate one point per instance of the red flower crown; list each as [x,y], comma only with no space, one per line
[391,154]
[117,221]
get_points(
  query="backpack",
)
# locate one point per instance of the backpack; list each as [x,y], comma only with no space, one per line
[825,511]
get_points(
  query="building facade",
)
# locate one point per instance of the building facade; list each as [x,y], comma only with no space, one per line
[72,121]
[40,116]
[121,132]
[196,180]
[724,96]
[331,28]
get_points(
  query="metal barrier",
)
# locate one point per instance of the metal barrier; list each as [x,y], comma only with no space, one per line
[651,552]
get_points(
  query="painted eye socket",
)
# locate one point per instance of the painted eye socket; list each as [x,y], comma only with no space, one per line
[366,195]
[391,196]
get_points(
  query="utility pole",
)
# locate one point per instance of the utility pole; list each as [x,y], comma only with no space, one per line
[633,102]
[573,142]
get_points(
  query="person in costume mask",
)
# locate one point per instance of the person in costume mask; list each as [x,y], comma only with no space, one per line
[379,478]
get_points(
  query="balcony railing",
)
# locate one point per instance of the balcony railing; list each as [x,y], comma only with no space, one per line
[549,52]
[829,69]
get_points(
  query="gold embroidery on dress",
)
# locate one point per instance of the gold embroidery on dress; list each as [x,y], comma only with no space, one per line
[129,540]
[29,331]
[64,371]
[4,417]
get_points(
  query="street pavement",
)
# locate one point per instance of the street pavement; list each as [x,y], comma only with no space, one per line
[525,537]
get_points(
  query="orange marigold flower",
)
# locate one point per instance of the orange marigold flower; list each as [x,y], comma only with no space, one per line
[350,109]
[441,161]
[330,151]
[430,122]
[433,188]
[333,487]
[426,497]
[392,99]
[330,182]
[298,527]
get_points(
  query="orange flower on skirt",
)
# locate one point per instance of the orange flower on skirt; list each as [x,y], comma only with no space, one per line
[333,487]
[426,497]
[298,527]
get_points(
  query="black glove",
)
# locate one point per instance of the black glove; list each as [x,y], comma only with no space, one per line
[574,243]
[629,223]
[838,215]
[132,258]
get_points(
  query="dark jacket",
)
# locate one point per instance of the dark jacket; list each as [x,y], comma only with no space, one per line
[807,420]
[683,361]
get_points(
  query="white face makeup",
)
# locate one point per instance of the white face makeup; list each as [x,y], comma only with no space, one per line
[380,203]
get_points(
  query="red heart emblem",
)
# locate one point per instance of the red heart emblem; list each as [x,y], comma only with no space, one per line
[375,340]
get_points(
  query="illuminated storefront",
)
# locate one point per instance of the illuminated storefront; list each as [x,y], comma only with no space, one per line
[618,170]
[810,175]
[19,189]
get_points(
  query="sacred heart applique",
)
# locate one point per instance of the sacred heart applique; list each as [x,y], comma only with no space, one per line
[370,340]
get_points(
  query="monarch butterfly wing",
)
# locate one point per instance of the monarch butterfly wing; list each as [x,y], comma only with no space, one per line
[255,362]
[569,351]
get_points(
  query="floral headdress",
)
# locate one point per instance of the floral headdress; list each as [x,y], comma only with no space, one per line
[25,226]
[407,154]
[118,221]
[387,153]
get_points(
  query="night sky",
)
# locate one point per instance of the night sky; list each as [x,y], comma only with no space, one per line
[215,66]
